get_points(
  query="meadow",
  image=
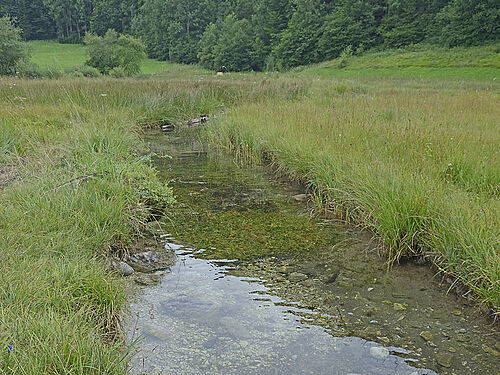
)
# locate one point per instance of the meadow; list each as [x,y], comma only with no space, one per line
[414,62]
[416,161]
[61,57]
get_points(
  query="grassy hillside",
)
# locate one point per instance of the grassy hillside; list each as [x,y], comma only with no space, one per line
[53,55]
[423,61]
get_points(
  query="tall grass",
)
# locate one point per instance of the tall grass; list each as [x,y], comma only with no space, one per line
[418,166]
[82,192]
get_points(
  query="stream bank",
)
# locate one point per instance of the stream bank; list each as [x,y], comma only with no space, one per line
[297,295]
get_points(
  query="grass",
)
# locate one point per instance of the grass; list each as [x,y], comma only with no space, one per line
[416,161]
[81,192]
[53,55]
[416,62]
[418,164]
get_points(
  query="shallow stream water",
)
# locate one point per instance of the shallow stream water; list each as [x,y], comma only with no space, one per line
[261,287]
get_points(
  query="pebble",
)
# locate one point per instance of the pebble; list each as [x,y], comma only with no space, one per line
[399,307]
[300,197]
[444,359]
[296,277]
[379,352]
[124,269]
[426,335]
[487,349]
[308,283]
[148,279]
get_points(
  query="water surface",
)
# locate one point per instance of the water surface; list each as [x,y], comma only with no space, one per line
[301,295]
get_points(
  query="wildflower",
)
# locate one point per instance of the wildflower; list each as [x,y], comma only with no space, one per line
[9,349]
[449,165]
[103,95]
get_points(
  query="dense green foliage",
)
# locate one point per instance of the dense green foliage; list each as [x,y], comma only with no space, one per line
[12,50]
[113,53]
[265,34]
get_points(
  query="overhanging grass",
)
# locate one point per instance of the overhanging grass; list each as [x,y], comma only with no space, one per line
[419,166]
[80,190]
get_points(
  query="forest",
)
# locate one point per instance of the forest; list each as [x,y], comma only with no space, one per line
[239,35]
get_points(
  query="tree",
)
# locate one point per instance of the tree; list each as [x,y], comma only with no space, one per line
[234,49]
[467,22]
[113,14]
[172,29]
[351,23]
[31,16]
[114,51]
[12,50]
[271,17]
[298,44]
[208,43]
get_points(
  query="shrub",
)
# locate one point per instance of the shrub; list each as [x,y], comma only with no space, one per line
[28,69]
[344,57]
[114,50]
[117,72]
[84,71]
[12,50]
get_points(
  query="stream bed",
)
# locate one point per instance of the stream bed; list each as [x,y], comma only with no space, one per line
[261,287]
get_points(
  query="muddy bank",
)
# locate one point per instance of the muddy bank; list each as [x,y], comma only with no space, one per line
[308,274]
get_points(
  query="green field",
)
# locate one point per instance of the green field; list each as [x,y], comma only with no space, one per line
[53,55]
[414,161]
[418,62]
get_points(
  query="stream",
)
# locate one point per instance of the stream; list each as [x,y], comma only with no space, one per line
[259,286]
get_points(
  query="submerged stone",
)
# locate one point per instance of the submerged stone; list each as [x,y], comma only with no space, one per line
[444,359]
[148,279]
[487,349]
[399,306]
[426,335]
[379,352]
[297,277]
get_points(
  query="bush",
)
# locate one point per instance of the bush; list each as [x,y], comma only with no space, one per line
[117,72]
[28,69]
[115,50]
[344,57]
[12,50]
[83,71]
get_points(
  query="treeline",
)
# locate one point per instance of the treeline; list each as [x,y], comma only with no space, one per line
[261,34]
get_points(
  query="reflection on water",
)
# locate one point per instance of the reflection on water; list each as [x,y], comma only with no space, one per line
[200,320]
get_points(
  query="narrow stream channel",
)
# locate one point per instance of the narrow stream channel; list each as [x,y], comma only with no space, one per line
[260,287]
